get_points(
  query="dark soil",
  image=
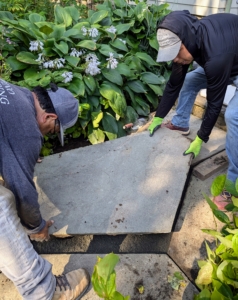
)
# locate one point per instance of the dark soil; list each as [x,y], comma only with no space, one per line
[69,144]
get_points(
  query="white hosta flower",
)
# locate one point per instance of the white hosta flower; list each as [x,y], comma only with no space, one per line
[93,32]
[68,76]
[84,30]
[48,64]
[124,42]
[36,45]
[40,58]
[91,57]
[59,63]
[93,69]
[112,62]
[74,52]
[111,29]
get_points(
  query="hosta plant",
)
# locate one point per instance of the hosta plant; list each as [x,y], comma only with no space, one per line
[107,60]
[218,275]
[104,278]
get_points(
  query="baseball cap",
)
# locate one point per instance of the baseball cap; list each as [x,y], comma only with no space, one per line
[169,45]
[66,108]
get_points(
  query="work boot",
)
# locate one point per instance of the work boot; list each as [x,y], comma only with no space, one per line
[184,131]
[72,285]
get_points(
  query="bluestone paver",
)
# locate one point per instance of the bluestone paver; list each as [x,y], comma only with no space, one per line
[134,270]
[129,185]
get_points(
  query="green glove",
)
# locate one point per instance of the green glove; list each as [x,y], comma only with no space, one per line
[194,147]
[155,125]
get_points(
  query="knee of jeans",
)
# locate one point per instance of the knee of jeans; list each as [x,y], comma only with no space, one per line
[6,196]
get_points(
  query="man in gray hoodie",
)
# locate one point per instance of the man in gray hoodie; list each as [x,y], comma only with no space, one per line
[25,117]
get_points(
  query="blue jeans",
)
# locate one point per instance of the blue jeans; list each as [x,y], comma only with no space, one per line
[193,83]
[19,261]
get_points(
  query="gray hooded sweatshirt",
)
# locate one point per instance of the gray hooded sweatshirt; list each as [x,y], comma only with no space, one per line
[20,144]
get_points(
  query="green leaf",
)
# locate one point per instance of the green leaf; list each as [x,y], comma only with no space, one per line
[73,12]
[113,75]
[234,201]
[209,201]
[235,244]
[153,99]
[147,58]
[120,3]
[90,82]
[73,61]
[76,87]
[27,58]
[36,18]
[144,106]
[123,27]
[116,98]
[131,114]
[94,101]
[154,42]
[119,45]
[15,64]
[5,15]
[221,216]
[204,295]
[150,78]
[205,274]
[106,265]
[106,49]
[96,118]
[62,16]
[218,185]
[32,73]
[137,86]
[109,123]
[58,32]
[123,69]
[98,16]
[62,46]
[157,90]
[225,241]
[118,296]
[96,136]
[88,44]
[211,232]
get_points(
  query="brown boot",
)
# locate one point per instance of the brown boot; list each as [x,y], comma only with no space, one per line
[72,285]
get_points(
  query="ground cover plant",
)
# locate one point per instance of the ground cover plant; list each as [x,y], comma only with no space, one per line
[107,60]
[218,275]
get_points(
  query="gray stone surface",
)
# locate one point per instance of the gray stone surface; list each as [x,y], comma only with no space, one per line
[149,270]
[121,186]
[187,242]
[215,144]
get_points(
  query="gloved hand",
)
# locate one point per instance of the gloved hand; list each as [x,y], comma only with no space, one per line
[155,125]
[194,147]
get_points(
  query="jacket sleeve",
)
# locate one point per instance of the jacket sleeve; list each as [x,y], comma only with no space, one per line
[18,170]
[172,89]
[218,72]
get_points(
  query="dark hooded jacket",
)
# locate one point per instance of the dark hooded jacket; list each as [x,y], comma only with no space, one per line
[213,43]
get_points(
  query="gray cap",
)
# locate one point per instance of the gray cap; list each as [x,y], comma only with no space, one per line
[66,108]
[169,45]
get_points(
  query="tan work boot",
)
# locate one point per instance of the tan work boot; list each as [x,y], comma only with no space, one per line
[72,285]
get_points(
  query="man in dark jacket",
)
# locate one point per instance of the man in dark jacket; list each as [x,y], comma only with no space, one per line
[25,117]
[212,42]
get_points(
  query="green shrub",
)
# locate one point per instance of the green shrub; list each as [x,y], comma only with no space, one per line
[106,60]
[218,275]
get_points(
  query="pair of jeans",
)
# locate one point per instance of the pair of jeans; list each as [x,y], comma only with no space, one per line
[30,273]
[193,83]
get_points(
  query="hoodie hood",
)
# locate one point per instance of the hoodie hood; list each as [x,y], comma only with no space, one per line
[186,27]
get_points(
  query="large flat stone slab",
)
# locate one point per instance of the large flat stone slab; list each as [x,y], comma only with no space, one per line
[133,270]
[129,185]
